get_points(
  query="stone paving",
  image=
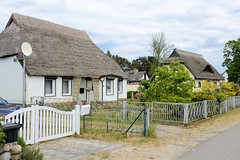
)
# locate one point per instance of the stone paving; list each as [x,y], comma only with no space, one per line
[73,148]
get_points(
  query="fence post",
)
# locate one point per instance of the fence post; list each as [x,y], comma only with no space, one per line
[185,120]
[107,120]
[35,121]
[146,121]
[205,109]
[78,101]
[77,119]
[234,102]
[225,105]
[124,106]
[152,110]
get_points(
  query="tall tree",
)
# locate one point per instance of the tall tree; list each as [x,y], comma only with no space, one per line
[232,60]
[109,54]
[160,48]
[143,63]
[123,62]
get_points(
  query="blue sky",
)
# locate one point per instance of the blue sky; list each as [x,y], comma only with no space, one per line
[125,27]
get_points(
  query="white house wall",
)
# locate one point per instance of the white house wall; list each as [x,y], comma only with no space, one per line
[132,87]
[225,75]
[115,96]
[112,97]
[11,80]
[123,95]
[143,77]
[35,87]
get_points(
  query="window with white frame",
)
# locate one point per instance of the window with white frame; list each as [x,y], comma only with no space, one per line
[109,85]
[50,86]
[120,86]
[66,87]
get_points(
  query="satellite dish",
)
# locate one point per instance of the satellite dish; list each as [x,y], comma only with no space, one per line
[26,48]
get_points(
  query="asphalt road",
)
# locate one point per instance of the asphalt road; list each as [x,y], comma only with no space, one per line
[225,146]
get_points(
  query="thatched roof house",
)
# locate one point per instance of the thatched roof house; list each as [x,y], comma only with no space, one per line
[65,63]
[198,67]
[196,64]
[58,50]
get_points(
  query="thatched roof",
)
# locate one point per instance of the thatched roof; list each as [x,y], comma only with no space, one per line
[196,64]
[58,50]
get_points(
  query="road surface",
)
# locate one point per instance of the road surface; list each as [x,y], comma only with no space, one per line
[225,146]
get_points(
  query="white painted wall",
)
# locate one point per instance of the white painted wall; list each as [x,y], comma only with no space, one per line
[123,95]
[11,80]
[225,75]
[116,95]
[112,97]
[35,87]
[143,77]
[132,87]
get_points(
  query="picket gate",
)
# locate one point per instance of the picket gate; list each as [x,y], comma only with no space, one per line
[41,123]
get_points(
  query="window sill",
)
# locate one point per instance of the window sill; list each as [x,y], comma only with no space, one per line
[50,95]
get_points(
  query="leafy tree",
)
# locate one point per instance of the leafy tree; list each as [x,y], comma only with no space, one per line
[143,85]
[160,48]
[144,64]
[109,54]
[232,60]
[172,84]
[123,62]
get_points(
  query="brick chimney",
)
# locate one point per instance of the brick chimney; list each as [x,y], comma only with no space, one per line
[135,71]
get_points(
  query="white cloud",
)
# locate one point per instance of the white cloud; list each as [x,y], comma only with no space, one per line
[126,27]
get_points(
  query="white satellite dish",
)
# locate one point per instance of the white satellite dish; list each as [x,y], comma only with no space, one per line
[26,48]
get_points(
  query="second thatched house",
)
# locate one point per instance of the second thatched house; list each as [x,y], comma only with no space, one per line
[65,63]
[198,67]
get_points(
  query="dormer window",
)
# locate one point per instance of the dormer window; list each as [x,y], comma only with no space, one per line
[208,68]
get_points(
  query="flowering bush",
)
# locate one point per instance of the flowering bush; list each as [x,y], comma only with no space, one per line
[64,106]
[2,134]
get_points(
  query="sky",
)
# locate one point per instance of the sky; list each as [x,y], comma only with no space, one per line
[126,27]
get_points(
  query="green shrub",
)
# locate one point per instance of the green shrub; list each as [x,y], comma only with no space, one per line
[152,131]
[21,143]
[200,96]
[30,153]
[2,134]
[130,92]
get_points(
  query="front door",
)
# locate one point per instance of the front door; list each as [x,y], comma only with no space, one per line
[90,92]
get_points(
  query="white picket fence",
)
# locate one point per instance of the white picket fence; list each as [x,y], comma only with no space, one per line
[41,123]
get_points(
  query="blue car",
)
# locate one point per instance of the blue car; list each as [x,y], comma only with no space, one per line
[6,108]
